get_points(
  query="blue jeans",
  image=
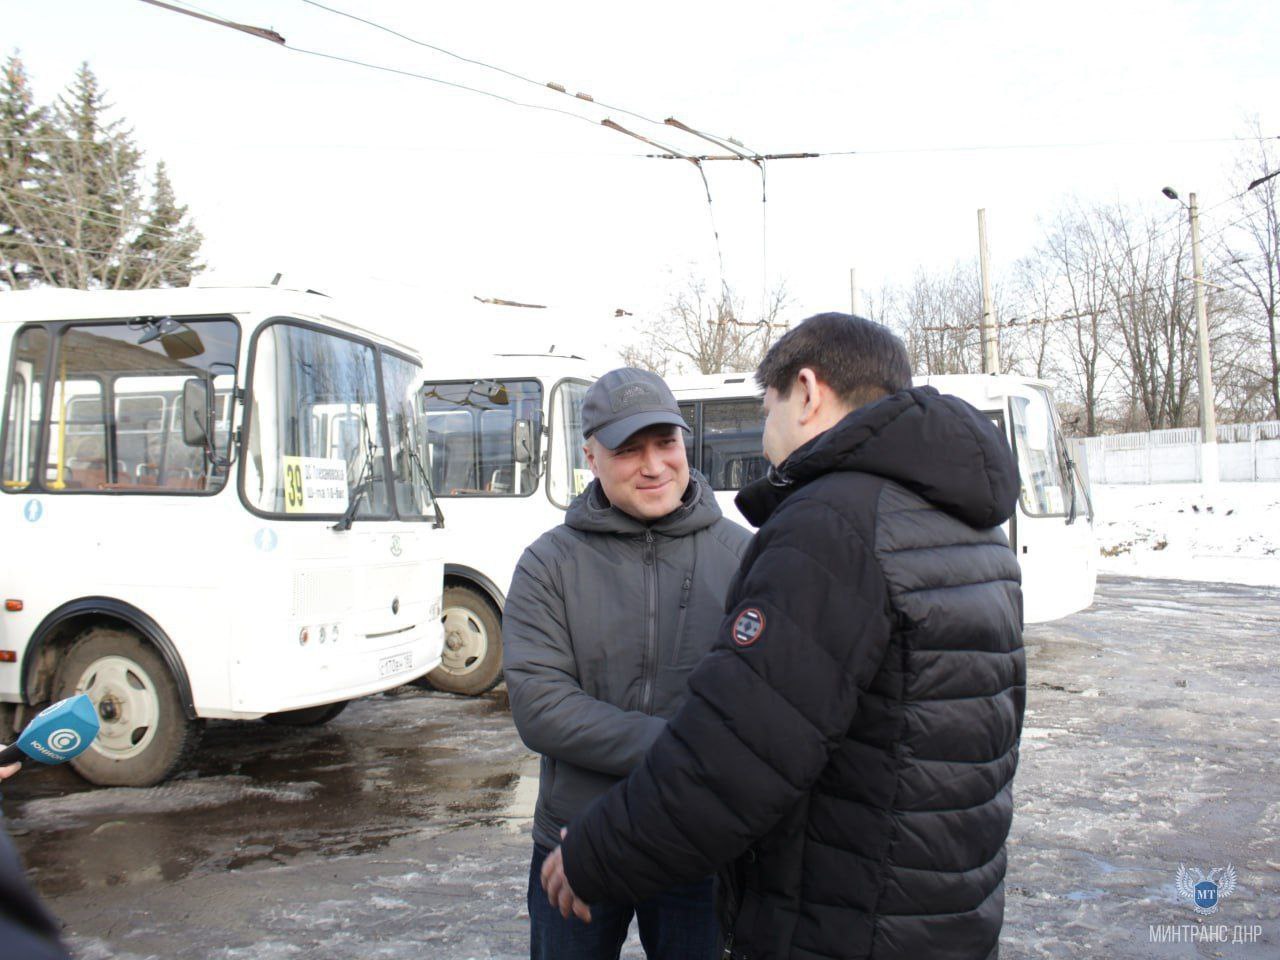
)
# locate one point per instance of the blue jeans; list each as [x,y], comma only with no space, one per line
[678,924]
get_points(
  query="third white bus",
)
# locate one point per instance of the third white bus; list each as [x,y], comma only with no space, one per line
[1052,528]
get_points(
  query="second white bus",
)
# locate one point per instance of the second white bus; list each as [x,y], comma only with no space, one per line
[503,436]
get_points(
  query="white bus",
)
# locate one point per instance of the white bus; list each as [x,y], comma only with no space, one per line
[504,445]
[1051,531]
[213,507]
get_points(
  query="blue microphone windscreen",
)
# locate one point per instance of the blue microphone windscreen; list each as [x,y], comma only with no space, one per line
[61,731]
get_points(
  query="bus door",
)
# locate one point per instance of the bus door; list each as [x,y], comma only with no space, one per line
[1054,533]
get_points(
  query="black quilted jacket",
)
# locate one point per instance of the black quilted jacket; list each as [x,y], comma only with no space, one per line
[847,751]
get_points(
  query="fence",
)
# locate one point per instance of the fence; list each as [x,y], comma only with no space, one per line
[1246,452]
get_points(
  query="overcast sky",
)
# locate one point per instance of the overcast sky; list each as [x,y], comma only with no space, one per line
[420,196]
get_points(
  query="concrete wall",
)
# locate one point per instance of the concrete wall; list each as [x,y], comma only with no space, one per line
[1246,452]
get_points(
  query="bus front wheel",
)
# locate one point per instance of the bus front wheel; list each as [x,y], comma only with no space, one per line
[146,736]
[471,662]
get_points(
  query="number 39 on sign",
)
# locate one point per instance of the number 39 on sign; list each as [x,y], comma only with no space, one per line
[314,485]
[295,500]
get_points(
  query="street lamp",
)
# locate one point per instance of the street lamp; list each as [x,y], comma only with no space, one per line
[1208,422]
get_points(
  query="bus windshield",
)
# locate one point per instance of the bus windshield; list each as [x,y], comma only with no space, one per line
[400,379]
[318,429]
[568,473]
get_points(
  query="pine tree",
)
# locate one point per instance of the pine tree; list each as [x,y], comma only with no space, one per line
[73,205]
[24,139]
[94,193]
[166,251]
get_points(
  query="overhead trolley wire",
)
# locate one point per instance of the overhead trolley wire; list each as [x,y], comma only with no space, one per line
[278,39]
[445,83]
[582,97]
[545,85]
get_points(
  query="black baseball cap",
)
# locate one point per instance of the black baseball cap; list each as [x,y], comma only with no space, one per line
[624,401]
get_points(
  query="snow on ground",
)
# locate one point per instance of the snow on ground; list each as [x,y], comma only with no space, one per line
[1227,534]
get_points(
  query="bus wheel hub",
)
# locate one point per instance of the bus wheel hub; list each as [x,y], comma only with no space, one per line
[465,640]
[127,703]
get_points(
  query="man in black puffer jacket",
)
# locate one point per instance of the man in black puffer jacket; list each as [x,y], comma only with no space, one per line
[847,751]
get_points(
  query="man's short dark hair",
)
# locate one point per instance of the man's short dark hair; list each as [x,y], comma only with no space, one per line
[860,360]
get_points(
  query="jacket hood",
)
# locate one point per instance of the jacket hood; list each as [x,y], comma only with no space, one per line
[937,446]
[592,512]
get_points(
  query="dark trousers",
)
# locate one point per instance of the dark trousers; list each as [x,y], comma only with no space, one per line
[678,924]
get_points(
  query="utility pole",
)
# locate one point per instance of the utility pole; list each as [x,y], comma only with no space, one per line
[853,291]
[990,338]
[1208,421]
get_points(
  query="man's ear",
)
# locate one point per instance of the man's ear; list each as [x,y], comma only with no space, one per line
[807,383]
[589,449]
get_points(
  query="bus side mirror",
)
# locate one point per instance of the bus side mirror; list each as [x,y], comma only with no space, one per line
[195,413]
[522,441]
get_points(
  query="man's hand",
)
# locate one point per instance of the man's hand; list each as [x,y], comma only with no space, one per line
[556,884]
[10,770]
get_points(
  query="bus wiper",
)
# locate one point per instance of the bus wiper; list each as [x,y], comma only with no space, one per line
[365,482]
[1072,481]
[361,488]
[407,444]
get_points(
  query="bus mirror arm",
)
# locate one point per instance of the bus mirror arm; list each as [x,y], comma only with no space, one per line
[216,460]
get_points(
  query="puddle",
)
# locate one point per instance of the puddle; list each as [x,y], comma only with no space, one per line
[259,796]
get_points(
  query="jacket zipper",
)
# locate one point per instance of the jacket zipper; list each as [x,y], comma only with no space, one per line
[685,589]
[651,623]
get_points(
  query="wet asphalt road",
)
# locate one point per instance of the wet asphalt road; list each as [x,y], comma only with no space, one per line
[401,829]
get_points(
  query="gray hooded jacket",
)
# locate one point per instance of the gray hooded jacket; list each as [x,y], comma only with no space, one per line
[605,619]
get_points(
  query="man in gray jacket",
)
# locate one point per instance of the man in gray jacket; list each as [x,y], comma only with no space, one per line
[606,616]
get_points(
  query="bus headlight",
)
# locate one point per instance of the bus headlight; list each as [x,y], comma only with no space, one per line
[303,636]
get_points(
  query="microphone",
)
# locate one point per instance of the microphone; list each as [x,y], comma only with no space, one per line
[57,733]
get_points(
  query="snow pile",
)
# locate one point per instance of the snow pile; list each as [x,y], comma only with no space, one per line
[1227,534]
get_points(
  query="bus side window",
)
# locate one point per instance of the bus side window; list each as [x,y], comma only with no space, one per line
[25,401]
[77,437]
[732,443]
[470,436]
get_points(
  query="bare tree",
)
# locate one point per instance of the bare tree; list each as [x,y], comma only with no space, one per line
[705,332]
[1252,266]
[1028,338]
[1074,254]
[939,316]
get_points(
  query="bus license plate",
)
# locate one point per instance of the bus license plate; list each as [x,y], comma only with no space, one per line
[398,664]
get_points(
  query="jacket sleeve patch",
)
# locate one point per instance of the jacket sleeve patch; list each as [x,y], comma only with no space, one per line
[749,627]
